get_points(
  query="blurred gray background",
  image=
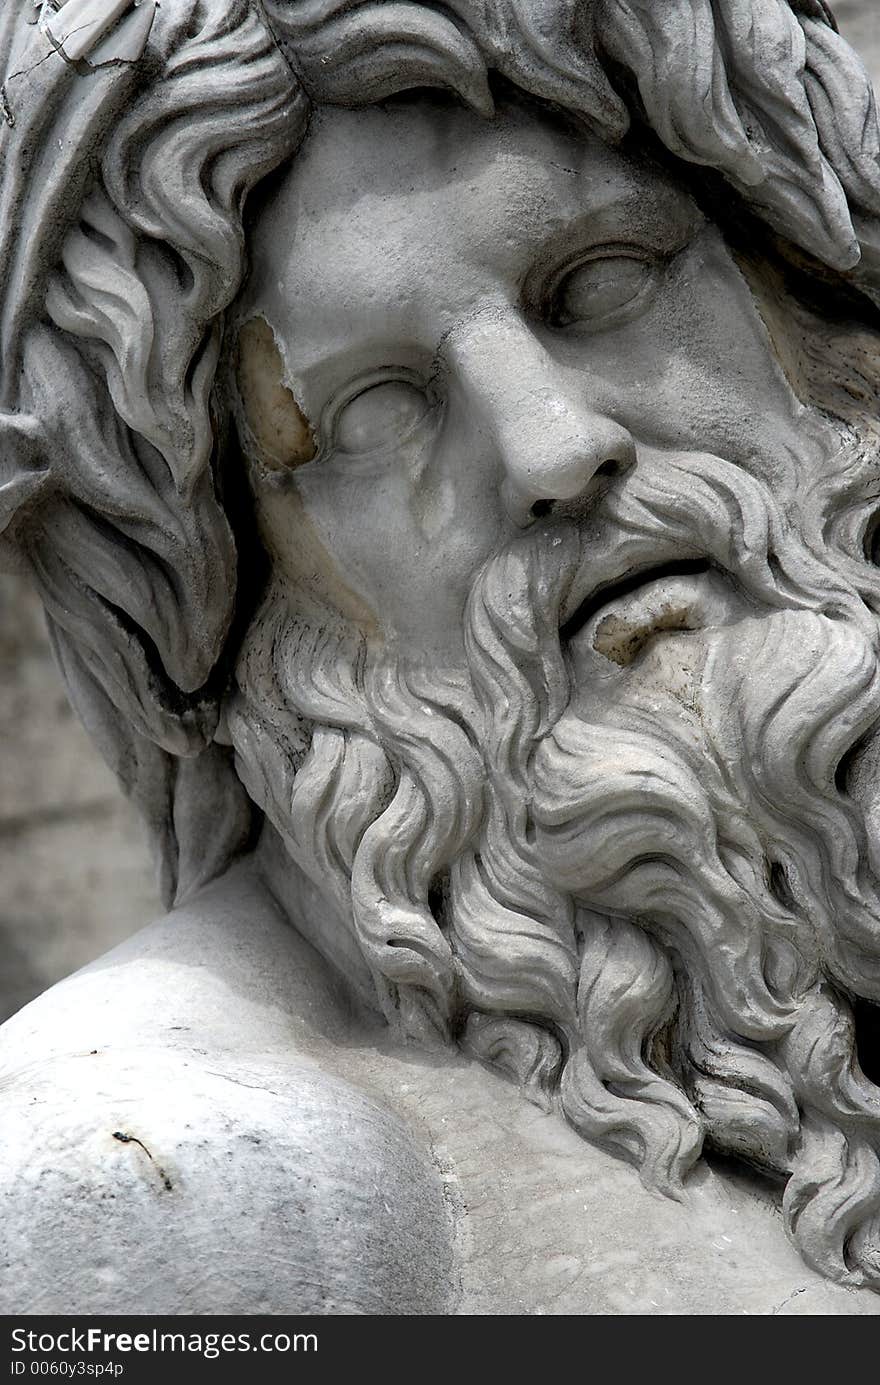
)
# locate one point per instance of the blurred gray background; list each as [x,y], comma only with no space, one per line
[74,872]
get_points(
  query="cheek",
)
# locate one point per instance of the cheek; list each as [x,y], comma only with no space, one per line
[721,375]
[309,564]
[698,369]
[398,546]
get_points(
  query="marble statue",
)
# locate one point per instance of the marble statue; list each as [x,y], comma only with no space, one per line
[445,441]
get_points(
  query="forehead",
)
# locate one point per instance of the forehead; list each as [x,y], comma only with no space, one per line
[392,221]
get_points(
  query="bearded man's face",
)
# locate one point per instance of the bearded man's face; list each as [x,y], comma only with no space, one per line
[568,631]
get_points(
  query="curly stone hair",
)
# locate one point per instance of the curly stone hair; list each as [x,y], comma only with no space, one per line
[124,176]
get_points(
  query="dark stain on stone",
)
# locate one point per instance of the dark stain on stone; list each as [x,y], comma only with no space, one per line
[125,1139]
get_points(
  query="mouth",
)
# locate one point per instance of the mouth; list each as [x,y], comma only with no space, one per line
[618,619]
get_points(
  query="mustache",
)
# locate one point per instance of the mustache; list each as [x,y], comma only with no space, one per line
[670,515]
[691,508]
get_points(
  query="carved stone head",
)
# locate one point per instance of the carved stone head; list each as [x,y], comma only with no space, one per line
[445,442]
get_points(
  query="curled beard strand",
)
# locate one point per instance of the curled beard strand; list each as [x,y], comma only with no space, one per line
[610,1093]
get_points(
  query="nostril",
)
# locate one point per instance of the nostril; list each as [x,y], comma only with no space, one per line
[541,508]
[611,467]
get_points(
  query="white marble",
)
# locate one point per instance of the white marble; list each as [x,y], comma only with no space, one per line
[463,551]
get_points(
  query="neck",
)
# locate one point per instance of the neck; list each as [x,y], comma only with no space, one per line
[314,914]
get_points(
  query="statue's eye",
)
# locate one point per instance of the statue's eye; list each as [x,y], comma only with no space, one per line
[381,416]
[596,291]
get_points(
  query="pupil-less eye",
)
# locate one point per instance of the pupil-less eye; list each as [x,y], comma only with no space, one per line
[381,416]
[601,287]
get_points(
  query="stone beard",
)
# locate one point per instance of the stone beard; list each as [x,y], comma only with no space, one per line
[558,678]
[658,896]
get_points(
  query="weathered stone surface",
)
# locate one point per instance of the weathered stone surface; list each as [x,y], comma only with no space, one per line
[457,527]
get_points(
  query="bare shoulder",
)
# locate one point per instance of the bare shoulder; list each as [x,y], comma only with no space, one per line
[171,1123]
[179,1185]
[226,971]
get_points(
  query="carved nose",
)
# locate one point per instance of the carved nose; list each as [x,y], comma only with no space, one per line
[553,450]
[550,441]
